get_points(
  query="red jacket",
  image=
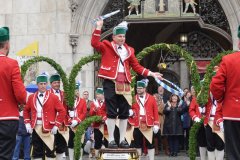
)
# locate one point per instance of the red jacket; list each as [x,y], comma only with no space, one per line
[98,111]
[12,90]
[225,86]
[66,119]
[209,106]
[151,111]
[80,110]
[194,109]
[110,59]
[53,112]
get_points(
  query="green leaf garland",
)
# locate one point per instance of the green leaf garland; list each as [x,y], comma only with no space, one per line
[80,131]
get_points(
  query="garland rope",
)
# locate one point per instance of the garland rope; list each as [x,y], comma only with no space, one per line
[80,131]
[56,66]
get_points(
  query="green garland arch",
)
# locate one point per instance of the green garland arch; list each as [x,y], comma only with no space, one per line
[191,64]
[74,72]
[50,61]
[202,96]
[80,131]
[168,47]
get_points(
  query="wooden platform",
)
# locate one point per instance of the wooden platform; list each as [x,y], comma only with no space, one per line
[118,154]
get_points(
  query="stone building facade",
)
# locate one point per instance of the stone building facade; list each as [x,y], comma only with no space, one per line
[63,30]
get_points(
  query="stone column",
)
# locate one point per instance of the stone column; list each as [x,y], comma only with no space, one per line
[184,76]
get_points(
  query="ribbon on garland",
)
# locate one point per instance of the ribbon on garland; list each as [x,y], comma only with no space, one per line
[178,91]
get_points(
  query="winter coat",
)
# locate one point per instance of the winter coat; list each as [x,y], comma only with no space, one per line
[172,122]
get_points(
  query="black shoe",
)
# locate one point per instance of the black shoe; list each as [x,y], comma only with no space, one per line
[123,144]
[112,144]
[175,154]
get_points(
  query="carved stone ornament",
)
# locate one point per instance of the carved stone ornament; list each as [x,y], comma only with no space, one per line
[74,42]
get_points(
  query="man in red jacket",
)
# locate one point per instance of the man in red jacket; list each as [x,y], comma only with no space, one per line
[61,138]
[117,59]
[12,93]
[197,112]
[145,119]
[77,115]
[43,115]
[225,87]
[98,108]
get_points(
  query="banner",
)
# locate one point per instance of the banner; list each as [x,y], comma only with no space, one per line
[30,50]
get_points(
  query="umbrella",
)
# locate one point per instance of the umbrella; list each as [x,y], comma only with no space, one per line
[32,88]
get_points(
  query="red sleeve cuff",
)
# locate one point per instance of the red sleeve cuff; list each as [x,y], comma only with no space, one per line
[219,121]
[104,118]
[194,117]
[57,123]
[97,33]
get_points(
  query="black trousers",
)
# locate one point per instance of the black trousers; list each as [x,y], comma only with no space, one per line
[40,149]
[213,140]
[8,132]
[201,137]
[116,104]
[232,141]
[60,143]
[139,139]
[71,139]
[99,141]
[173,141]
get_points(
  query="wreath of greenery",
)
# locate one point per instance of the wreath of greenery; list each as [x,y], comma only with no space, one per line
[168,47]
[74,72]
[51,62]
[202,96]
[191,64]
[193,140]
[80,131]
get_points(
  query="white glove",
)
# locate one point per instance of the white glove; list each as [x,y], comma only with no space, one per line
[203,110]
[130,112]
[155,129]
[197,119]
[74,123]
[221,126]
[29,128]
[71,114]
[169,108]
[54,130]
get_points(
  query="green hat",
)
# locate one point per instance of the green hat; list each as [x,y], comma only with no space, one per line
[120,29]
[42,78]
[141,84]
[239,31]
[77,86]
[99,91]
[54,77]
[4,34]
